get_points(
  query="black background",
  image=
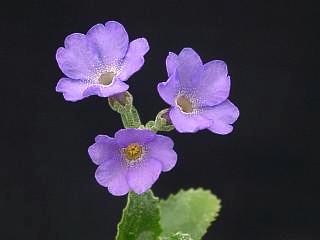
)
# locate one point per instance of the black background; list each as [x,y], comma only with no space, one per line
[265,172]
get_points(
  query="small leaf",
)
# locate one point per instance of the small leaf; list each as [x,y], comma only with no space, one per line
[140,218]
[178,236]
[189,211]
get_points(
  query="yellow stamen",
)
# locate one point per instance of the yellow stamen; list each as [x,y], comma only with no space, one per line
[133,152]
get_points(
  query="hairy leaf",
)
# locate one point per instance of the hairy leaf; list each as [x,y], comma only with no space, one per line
[190,211]
[178,236]
[140,218]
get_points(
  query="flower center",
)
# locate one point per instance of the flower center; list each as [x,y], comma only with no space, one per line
[133,152]
[184,104]
[106,78]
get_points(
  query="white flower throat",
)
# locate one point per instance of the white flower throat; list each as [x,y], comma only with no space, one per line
[106,78]
[184,104]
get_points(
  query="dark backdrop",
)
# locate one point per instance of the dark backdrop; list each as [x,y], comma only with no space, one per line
[265,172]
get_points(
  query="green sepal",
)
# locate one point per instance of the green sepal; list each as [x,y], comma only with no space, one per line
[161,123]
[140,218]
[150,124]
[190,211]
[123,104]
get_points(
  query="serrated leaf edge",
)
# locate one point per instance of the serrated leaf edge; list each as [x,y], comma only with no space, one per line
[214,216]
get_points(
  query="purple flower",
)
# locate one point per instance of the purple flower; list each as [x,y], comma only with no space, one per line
[98,62]
[132,160]
[198,93]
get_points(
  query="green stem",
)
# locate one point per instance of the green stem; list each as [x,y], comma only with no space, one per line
[123,104]
[131,118]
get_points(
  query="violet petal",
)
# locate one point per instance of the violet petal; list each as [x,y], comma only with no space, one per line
[213,84]
[72,89]
[188,66]
[115,87]
[143,176]
[222,116]
[134,59]
[161,148]
[169,90]
[79,58]
[104,149]
[171,63]
[111,41]
[183,122]
[112,175]
[132,135]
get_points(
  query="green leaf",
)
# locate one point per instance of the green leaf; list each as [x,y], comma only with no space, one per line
[178,236]
[189,211]
[140,218]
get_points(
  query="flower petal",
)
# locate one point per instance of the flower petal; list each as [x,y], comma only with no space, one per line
[213,85]
[191,122]
[79,59]
[134,59]
[104,149]
[189,65]
[222,116]
[131,135]
[171,63]
[115,87]
[141,177]
[72,89]
[112,174]
[161,149]
[169,90]
[111,40]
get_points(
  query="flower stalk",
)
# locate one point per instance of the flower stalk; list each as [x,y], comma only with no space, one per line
[123,104]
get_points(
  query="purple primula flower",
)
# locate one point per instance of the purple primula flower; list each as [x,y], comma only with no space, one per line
[198,94]
[98,62]
[132,160]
